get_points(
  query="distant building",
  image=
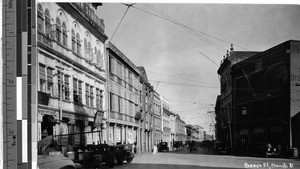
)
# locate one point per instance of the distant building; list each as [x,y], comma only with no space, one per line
[218,112]
[180,132]
[172,127]
[157,119]
[147,104]
[166,128]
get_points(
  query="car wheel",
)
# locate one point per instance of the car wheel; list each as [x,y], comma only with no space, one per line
[129,160]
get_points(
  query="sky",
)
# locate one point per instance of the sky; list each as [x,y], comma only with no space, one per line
[172,54]
[178,59]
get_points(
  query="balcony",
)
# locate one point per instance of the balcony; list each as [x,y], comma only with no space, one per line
[93,18]
[43,98]
[45,39]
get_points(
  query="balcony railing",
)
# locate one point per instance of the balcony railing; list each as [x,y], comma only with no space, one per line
[43,98]
[91,15]
[45,39]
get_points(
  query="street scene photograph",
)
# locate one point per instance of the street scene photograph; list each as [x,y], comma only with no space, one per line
[138,85]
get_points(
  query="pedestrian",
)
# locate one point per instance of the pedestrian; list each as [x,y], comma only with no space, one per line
[155,149]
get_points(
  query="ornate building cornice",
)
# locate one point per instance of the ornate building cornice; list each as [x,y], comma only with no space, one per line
[85,21]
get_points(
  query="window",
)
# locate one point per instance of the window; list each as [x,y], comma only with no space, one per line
[50,81]
[80,92]
[66,88]
[40,20]
[98,99]
[85,47]
[47,22]
[90,52]
[101,100]
[42,78]
[87,94]
[58,30]
[100,59]
[75,91]
[73,41]
[111,65]
[59,82]
[111,101]
[78,43]
[96,56]
[91,96]
[65,36]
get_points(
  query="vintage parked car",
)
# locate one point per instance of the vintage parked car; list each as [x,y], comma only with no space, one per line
[96,155]
[221,147]
[49,151]
[163,146]
[117,154]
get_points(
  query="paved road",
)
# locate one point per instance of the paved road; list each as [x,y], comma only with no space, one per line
[205,160]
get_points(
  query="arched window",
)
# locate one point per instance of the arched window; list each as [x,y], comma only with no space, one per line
[78,43]
[47,22]
[40,20]
[73,41]
[85,48]
[95,55]
[65,36]
[90,52]
[58,30]
[100,59]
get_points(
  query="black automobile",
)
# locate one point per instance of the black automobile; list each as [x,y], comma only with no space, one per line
[117,154]
[221,147]
[162,146]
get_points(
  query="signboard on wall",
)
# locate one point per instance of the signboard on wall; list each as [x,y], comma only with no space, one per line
[295,77]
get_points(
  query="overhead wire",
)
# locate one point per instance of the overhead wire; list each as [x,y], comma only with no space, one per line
[181,84]
[197,35]
[200,31]
[209,58]
[191,102]
[179,77]
[187,29]
[128,6]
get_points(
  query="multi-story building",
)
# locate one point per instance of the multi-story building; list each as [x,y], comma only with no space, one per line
[224,115]
[166,129]
[147,102]
[123,98]
[218,118]
[199,132]
[71,73]
[157,119]
[172,119]
[188,129]
[266,99]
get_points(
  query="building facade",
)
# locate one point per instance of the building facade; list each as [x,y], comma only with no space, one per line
[172,128]
[71,73]
[266,99]
[147,104]
[157,119]
[166,128]
[123,88]
[224,114]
